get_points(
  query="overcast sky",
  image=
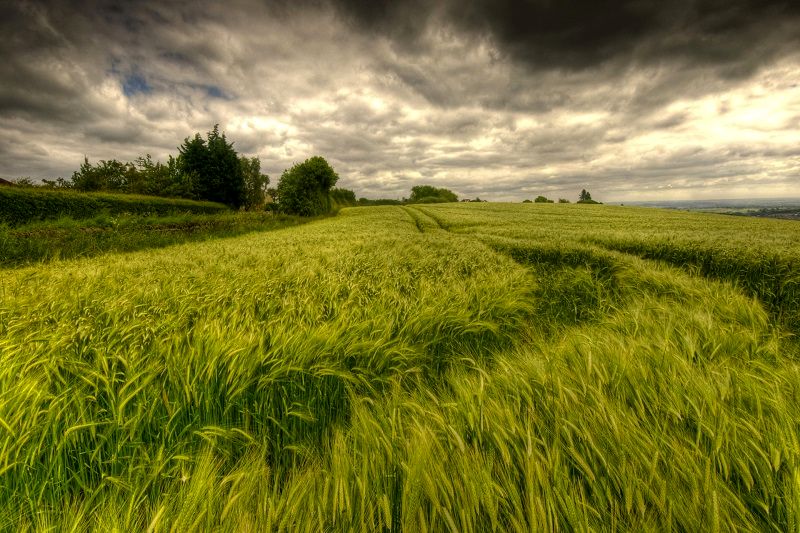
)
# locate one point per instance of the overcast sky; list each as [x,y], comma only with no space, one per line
[502,99]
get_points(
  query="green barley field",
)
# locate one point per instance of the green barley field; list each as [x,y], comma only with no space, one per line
[452,367]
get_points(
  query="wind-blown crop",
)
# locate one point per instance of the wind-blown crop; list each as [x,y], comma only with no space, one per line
[447,368]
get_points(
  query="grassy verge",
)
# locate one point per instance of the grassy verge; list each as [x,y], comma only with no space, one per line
[67,238]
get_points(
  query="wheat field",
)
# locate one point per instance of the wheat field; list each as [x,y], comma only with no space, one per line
[462,367]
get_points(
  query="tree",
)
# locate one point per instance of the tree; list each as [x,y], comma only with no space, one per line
[563,201]
[109,175]
[304,189]
[26,181]
[542,200]
[213,167]
[427,194]
[161,179]
[58,183]
[255,183]
[586,198]
[342,198]
[271,199]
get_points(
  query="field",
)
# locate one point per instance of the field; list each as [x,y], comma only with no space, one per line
[460,367]
[67,238]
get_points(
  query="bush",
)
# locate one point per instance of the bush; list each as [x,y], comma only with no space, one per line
[543,200]
[304,189]
[22,205]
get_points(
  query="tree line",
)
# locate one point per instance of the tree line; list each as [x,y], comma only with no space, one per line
[204,169]
[210,169]
[583,198]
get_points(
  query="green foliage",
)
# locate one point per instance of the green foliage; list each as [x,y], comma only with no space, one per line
[563,201]
[58,183]
[304,189]
[586,198]
[255,183]
[526,201]
[379,201]
[427,194]
[105,176]
[342,198]
[143,176]
[454,367]
[213,167]
[542,200]
[23,205]
[67,238]
[159,179]
[20,182]
[207,169]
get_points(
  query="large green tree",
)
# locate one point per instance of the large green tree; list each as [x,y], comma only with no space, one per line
[428,194]
[304,189]
[213,167]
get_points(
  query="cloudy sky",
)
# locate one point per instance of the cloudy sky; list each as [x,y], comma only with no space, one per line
[502,99]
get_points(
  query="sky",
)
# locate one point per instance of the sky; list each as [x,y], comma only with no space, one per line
[501,99]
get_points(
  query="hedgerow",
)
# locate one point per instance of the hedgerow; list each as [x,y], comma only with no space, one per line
[23,205]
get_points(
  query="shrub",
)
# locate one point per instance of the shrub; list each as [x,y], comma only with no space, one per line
[22,205]
[342,198]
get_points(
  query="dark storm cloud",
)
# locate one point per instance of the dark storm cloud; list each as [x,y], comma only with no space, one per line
[585,33]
